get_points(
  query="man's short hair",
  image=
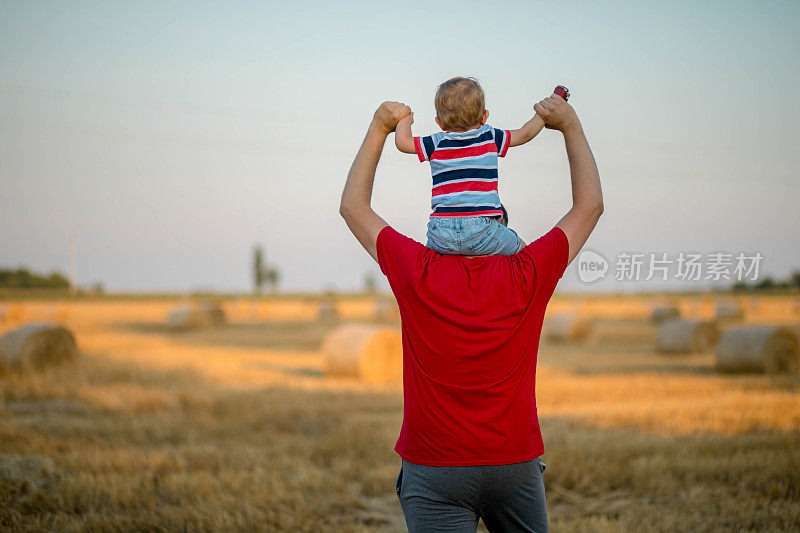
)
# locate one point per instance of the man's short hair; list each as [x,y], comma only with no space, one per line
[460,104]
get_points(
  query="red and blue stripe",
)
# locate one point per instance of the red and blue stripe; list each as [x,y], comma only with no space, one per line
[464,170]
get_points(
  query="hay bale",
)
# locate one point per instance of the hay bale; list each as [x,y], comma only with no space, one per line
[770,349]
[187,317]
[686,336]
[201,316]
[729,311]
[214,312]
[564,327]
[36,345]
[664,312]
[327,310]
[387,309]
[368,352]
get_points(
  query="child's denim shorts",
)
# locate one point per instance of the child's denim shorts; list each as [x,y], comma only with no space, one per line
[471,236]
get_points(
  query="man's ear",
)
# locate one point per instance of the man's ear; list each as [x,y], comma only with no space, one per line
[439,123]
[485,116]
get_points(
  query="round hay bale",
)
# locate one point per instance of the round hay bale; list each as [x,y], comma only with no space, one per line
[770,349]
[187,317]
[36,345]
[729,311]
[200,316]
[564,327]
[664,312]
[387,310]
[368,352]
[214,312]
[686,336]
[327,310]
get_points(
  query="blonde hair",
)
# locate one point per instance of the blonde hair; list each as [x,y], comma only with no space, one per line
[460,104]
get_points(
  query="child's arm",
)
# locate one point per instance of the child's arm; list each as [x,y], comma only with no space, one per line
[527,132]
[532,128]
[403,138]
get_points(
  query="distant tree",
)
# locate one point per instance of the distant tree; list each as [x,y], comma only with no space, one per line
[272,276]
[768,282]
[740,286]
[370,282]
[25,279]
[97,288]
[258,269]
[263,273]
[57,280]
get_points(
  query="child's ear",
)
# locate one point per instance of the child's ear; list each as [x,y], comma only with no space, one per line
[485,116]
[439,123]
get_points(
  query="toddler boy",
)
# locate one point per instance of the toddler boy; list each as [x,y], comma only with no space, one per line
[467,217]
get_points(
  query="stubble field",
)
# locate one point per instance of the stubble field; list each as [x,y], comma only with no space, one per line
[238,428]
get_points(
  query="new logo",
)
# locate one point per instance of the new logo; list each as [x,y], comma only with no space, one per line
[591,266]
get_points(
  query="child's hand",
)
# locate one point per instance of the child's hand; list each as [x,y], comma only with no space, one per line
[389,114]
[410,117]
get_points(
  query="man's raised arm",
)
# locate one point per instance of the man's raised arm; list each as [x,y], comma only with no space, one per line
[356,204]
[587,195]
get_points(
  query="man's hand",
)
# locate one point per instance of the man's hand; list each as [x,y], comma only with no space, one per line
[556,113]
[388,115]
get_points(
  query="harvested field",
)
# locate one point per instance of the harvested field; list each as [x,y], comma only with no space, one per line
[238,428]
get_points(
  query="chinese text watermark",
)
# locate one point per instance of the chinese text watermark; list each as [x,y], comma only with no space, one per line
[683,266]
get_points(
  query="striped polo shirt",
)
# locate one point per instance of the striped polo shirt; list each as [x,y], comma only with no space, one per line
[464,170]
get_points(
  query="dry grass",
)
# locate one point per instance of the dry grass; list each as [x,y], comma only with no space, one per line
[237,429]
[137,449]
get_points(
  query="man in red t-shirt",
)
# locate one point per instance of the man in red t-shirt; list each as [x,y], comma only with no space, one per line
[470,439]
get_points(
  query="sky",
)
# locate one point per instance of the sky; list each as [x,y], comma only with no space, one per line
[171,137]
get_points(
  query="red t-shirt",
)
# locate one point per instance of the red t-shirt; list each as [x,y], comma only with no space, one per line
[471,329]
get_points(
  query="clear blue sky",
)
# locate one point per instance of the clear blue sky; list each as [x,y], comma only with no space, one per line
[171,137]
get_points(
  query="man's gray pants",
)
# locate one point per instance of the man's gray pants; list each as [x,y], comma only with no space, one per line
[452,498]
